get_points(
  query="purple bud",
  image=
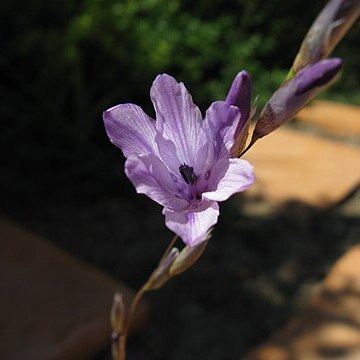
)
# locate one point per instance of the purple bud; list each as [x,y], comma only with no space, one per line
[328,29]
[318,75]
[240,95]
[295,94]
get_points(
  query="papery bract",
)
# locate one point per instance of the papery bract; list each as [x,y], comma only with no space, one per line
[187,257]
[180,160]
[162,273]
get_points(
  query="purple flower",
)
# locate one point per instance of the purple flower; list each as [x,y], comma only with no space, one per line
[180,160]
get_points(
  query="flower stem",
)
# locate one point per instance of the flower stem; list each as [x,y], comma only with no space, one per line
[121,353]
[123,337]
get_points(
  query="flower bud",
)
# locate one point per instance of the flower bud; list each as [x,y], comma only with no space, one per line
[187,257]
[328,29]
[240,95]
[295,94]
[162,273]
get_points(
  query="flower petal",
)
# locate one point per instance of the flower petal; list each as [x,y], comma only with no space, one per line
[231,176]
[192,227]
[240,95]
[151,177]
[179,120]
[130,129]
[221,122]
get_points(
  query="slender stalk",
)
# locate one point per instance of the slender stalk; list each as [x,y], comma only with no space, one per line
[121,353]
[132,310]
[123,337]
[122,347]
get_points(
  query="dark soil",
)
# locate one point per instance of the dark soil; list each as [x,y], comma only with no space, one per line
[259,268]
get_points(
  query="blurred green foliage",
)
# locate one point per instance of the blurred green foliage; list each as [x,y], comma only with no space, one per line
[63,62]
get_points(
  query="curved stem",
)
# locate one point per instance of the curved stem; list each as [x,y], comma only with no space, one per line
[133,308]
[134,304]
[121,350]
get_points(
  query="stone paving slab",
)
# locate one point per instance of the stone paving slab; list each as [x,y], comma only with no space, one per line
[329,327]
[53,306]
[291,165]
[336,118]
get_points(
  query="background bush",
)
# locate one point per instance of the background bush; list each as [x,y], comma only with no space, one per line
[63,62]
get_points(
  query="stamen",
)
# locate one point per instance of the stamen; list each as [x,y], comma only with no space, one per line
[187,172]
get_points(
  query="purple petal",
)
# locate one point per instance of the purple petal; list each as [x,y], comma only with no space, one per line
[151,177]
[318,75]
[168,153]
[192,227]
[130,129]
[231,176]
[240,95]
[221,122]
[179,121]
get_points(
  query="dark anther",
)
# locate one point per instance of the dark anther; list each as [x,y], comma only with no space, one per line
[187,172]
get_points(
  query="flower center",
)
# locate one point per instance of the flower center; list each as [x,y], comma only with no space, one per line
[187,172]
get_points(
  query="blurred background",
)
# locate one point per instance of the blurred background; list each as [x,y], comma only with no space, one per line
[64,62]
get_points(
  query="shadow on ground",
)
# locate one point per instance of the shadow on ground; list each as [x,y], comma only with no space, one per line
[259,268]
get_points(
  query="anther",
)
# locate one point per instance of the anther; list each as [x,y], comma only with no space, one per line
[187,172]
